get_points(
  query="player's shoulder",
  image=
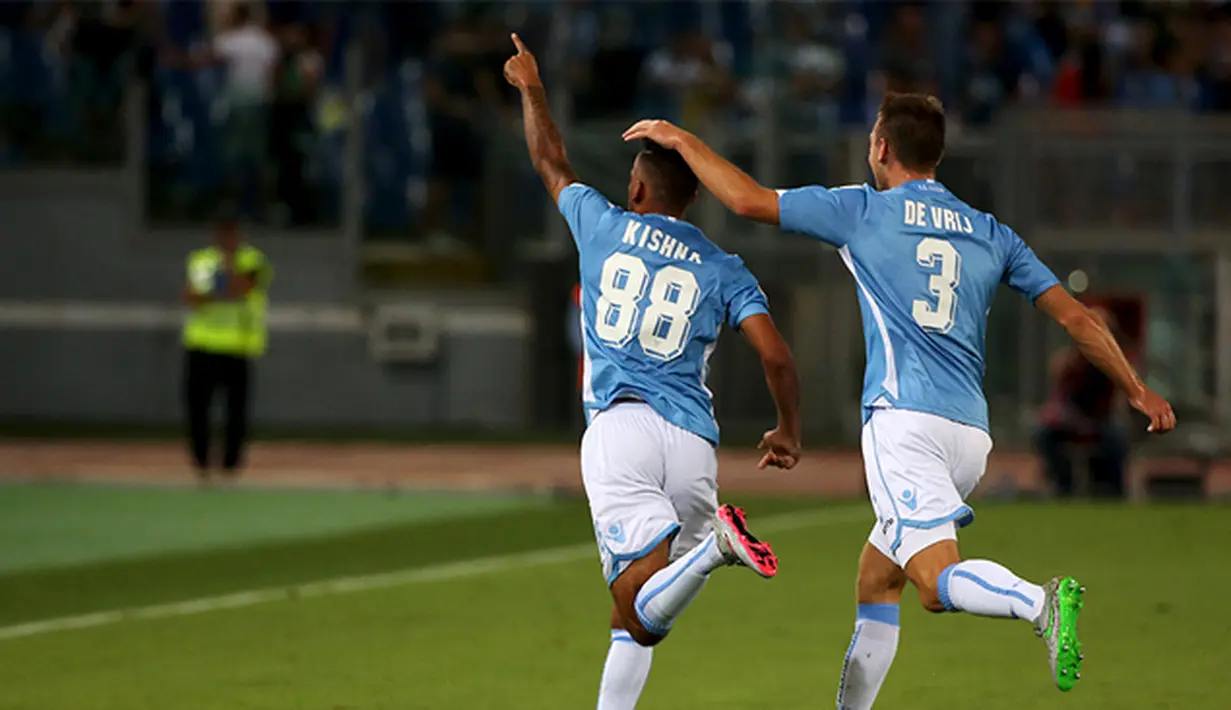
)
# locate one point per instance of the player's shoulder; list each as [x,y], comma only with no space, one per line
[582,191]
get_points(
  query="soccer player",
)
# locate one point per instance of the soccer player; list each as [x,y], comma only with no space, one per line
[655,294]
[926,266]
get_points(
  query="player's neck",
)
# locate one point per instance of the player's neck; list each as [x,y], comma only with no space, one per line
[897,178]
[649,207]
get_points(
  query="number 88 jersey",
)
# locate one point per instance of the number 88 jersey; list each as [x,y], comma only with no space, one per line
[926,268]
[655,295]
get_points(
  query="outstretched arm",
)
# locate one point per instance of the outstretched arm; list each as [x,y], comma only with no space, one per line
[781,445]
[542,137]
[1099,346]
[733,187]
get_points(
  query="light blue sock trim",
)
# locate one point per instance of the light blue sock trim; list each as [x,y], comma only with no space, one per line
[621,636]
[942,587]
[993,588]
[649,625]
[846,663]
[881,613]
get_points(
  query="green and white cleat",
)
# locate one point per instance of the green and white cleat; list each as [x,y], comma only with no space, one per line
[1058,628]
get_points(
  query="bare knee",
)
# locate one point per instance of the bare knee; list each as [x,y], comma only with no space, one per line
[925,568]
[643,637]
[929,597]
[880,580]
[625,617]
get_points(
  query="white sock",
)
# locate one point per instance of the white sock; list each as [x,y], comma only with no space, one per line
[873,646]
[624,673]
[985,588]
[668,593]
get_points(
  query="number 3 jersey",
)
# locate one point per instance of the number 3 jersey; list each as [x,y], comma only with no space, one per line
[926,266]
[655,293]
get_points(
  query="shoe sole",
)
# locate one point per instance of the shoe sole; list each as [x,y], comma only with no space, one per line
[1068,647]
[753,553]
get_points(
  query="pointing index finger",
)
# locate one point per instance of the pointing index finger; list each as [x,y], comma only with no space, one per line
[521,48]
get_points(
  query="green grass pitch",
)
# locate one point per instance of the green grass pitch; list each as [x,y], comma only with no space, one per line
[1156,627]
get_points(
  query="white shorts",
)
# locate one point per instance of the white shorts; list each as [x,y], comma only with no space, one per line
[647,480]
[920,468]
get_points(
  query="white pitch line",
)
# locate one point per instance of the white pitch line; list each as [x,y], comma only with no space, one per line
[347,585]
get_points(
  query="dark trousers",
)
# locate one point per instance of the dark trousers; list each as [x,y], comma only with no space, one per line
[203,374]
[1107,451]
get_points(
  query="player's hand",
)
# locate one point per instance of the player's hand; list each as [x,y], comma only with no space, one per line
[781,450]
[1149,403]
[521,70]
[664,133]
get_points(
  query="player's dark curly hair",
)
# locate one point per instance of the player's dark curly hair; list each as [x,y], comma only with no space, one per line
[914,127]
[673,180]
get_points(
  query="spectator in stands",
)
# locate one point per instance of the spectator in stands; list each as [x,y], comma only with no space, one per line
[905,59]
[1155,76]
[1082,76]
[1080,414]
[993,74]
[249,54]
[101,43]
[296,81]
[814,70]
[603,62]
[685,80]
[454,90]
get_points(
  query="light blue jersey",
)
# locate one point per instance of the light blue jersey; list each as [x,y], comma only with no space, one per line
[654,295]
[927,266]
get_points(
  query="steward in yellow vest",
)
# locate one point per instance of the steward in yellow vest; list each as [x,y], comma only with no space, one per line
[227,292]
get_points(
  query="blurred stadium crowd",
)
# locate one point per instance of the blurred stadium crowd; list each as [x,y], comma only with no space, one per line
[252,101]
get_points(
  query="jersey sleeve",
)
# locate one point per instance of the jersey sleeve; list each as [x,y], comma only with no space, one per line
[742,295]
[1024,272]
[582,207]
[830,215]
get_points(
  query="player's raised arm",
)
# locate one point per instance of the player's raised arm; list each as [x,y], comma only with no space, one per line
[542,137]
[733,187]
[1097,343]
[781,444]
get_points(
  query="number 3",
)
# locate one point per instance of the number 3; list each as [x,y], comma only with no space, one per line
[665,324]
[940,318]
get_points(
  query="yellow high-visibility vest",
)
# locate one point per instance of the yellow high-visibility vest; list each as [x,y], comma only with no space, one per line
[228,327]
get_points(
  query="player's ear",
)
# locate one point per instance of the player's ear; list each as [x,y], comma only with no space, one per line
[636,191]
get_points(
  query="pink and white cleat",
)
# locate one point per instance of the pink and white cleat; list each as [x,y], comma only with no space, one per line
[739,546]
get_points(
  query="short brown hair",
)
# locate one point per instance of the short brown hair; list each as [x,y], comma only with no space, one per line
[914,127]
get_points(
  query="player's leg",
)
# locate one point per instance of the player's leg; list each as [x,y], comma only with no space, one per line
[874,642]
[634,522]
[710,535]
[626,669]
[926,543]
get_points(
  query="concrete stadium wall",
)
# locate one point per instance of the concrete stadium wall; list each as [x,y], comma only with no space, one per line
[74,244]
[80,235]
